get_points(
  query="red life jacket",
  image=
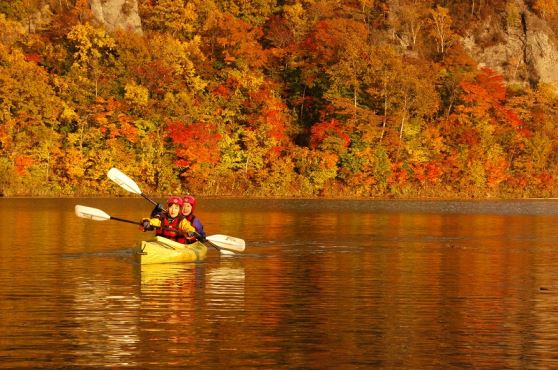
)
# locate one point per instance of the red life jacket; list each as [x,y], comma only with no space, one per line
[167,224]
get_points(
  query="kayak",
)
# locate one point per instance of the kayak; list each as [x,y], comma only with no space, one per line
[163,250]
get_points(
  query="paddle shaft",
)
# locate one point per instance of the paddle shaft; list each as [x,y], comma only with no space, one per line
[149,199]
[127,221]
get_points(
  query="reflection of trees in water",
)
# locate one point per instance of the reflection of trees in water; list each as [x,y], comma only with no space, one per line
[105,324]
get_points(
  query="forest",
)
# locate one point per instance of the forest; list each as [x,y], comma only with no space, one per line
[300,98]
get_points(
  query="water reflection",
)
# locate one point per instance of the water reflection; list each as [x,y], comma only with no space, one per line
[105,324]
[225,285]
[323,284]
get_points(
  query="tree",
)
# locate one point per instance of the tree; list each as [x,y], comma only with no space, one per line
[440,23]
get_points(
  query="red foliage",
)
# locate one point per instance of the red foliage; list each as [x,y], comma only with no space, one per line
[486,96]
[321,131]
[155,75]
[492,83]
[196,144]
[35,58]
[222,91]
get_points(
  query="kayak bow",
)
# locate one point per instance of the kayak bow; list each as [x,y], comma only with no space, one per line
[163,250]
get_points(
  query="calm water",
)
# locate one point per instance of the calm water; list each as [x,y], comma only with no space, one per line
[322,285]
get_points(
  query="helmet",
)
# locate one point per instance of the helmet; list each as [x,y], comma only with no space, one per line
[191,200]
[175,200]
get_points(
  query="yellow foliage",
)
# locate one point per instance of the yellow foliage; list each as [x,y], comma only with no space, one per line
[92,45]
[136,94]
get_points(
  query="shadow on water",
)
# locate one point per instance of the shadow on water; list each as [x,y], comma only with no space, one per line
[124,254]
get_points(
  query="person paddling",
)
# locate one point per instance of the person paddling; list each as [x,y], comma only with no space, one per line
[168,224]
[188,212]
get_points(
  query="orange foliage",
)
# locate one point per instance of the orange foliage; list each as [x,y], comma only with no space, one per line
[487,93]
[331,36]
[127,129]
[196,144]
[427,172]
[496,172]
[35,58]
[239,42]
[270,111]
[22,163]
[399,175]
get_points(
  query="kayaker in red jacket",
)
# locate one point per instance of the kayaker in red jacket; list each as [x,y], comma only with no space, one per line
[188,212]
[167,224]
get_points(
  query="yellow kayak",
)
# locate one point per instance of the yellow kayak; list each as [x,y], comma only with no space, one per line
[163,250]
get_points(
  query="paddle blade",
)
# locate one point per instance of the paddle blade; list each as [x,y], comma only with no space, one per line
[227,242]
[91,213]
[123,180]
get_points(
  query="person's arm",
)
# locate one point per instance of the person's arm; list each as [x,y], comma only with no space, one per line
[186,226]
[199,227]
[189,231]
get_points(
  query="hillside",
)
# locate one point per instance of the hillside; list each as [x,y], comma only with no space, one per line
[311,98]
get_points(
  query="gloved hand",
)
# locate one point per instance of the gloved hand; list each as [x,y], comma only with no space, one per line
[146,224]
[157,210]
[190,237]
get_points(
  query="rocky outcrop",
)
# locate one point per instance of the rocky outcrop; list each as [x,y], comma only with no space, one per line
[117,14]
[519,46]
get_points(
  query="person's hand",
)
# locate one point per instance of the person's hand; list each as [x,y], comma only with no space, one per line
[157,210]
[146,225]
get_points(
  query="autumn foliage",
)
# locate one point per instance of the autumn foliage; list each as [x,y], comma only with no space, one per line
[311,98]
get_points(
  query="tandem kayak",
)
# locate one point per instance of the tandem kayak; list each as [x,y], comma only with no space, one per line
[163,250]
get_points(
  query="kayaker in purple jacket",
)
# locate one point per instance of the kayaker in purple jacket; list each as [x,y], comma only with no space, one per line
[188,212]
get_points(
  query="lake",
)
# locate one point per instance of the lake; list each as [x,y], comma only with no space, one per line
[323,284]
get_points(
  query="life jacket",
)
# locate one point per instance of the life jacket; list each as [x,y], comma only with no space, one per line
[167,224]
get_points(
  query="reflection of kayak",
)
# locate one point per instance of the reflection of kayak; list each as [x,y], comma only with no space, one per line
[159,276]
[161,250]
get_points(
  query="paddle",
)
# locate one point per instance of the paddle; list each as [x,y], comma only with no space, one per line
[127,183]
[225,244]
[223,241]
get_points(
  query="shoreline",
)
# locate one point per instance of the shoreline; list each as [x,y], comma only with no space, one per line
[275,198]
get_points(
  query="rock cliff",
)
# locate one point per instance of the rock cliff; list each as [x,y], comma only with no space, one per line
[115,14]
[518,44]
